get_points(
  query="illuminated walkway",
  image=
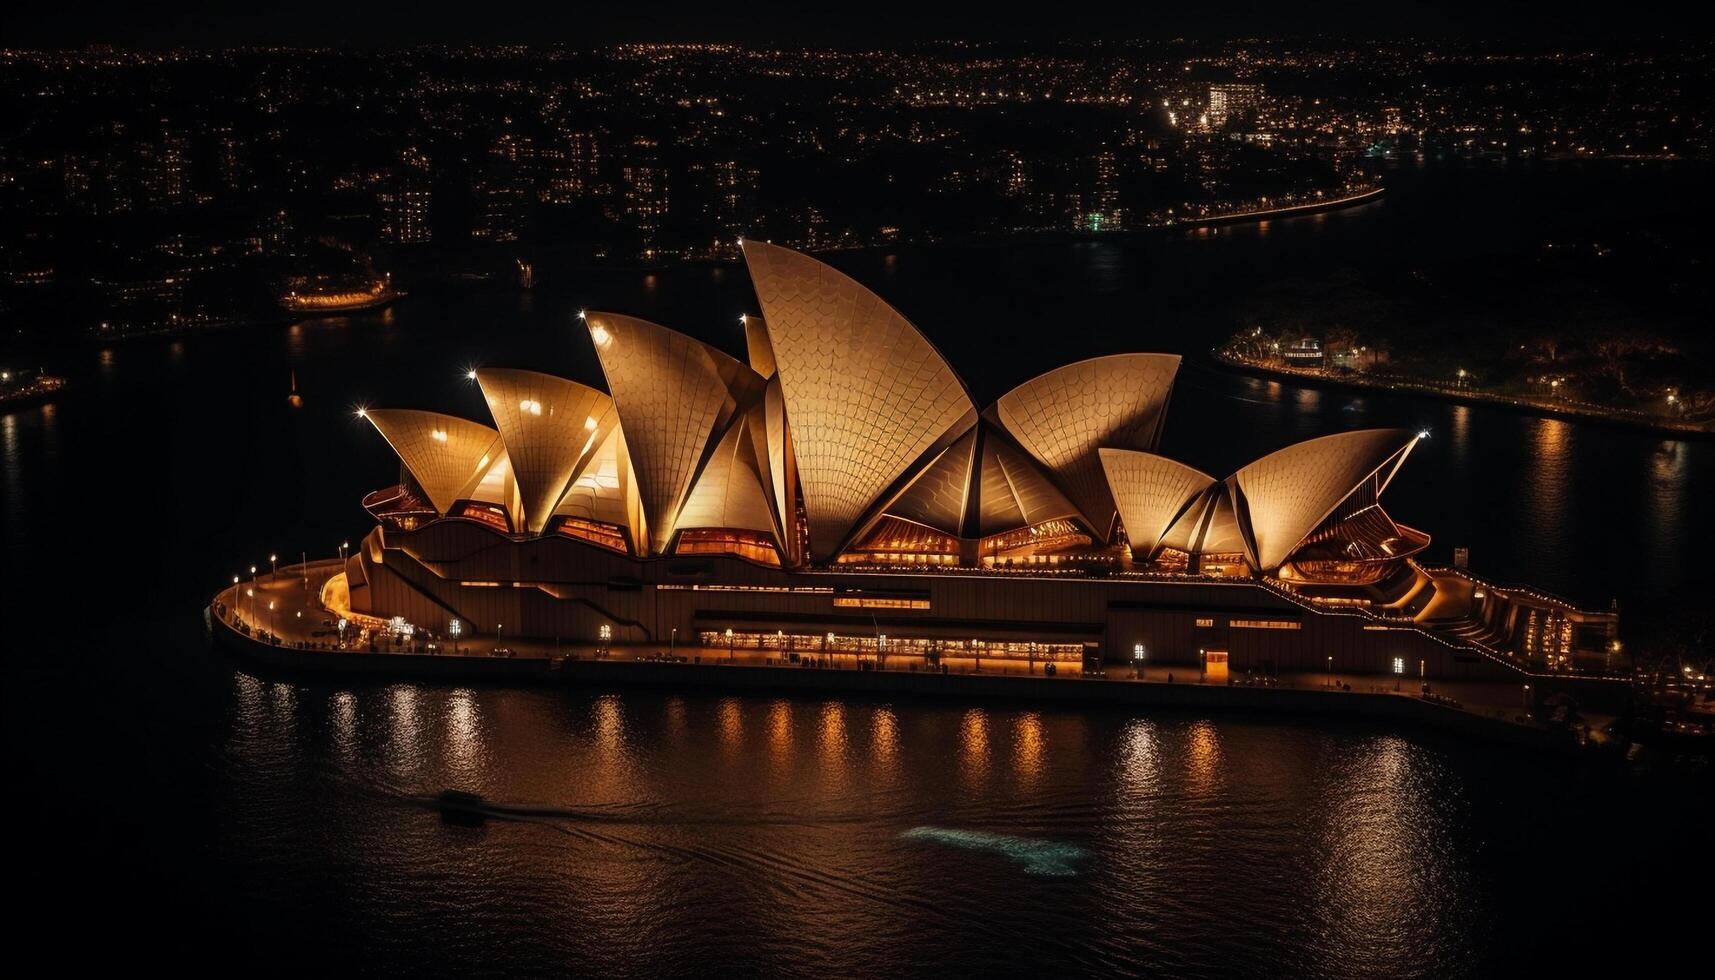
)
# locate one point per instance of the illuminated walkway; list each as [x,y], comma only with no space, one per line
[288,605]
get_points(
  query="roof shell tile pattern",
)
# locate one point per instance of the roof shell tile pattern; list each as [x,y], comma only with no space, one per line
[782,468]
[446,455]
[936,497]
[867,394]
[675,396]
[1063,416]
[1208,526]
[1151,492]
[498,487]
[730,492]
[1287,493]
[550,426]
[1015,492]
[599,492]
[756,346]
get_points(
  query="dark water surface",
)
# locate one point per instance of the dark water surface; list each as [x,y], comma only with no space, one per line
[170,800]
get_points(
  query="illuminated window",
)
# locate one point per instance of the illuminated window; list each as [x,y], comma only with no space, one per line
[606,535]
[1265,624]
[1205,621]
[681,587]
[724,541]
[879,602]
[494,517]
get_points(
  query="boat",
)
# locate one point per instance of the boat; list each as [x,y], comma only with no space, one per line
[333,302]
[17,391]
[462,807]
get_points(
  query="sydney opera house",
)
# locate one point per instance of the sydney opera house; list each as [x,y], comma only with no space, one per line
[840,491]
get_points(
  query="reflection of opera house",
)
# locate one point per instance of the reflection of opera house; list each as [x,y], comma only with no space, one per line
[841,487]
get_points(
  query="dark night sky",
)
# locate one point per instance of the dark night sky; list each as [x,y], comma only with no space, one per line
[315,22]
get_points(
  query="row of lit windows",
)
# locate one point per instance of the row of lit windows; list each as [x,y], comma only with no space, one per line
[715,541]
[608,536]
[1253,624]
[879,602]
[883,643]
[686,587]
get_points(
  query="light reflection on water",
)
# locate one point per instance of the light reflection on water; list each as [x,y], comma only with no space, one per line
[974,747]
[1028,749]
[1203,763]
[1183,843]
[1460,435]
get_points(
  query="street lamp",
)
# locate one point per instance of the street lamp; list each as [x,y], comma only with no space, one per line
[270,620]
[454,628]
[729,653]
[1138,654]
[342,626]
[673,642]
[273,567]
[606,633]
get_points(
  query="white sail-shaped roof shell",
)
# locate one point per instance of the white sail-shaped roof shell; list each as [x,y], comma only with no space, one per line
[757,348]
[1283,496]
[1015,493]
[1064,416]
[868,396]
[599,492]
[781,465]
[550,426]
[499,488]
[1208,526]
[446,455]
[1152,492]
[732,490]
[675,397]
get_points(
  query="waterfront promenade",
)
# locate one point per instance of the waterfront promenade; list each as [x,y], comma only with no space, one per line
[284,620]
[1552,408]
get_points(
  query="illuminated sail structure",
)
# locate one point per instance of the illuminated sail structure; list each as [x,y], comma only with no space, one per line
[845,437]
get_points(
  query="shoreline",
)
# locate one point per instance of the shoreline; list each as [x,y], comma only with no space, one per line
[1290,211]
[717,676]
[1571,414]
[1020,237]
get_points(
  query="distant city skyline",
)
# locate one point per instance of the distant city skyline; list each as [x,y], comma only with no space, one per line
[318,23]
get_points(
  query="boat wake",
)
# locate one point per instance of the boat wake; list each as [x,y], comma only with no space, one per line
[1037,857]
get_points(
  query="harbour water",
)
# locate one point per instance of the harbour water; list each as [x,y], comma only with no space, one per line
[176,798]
